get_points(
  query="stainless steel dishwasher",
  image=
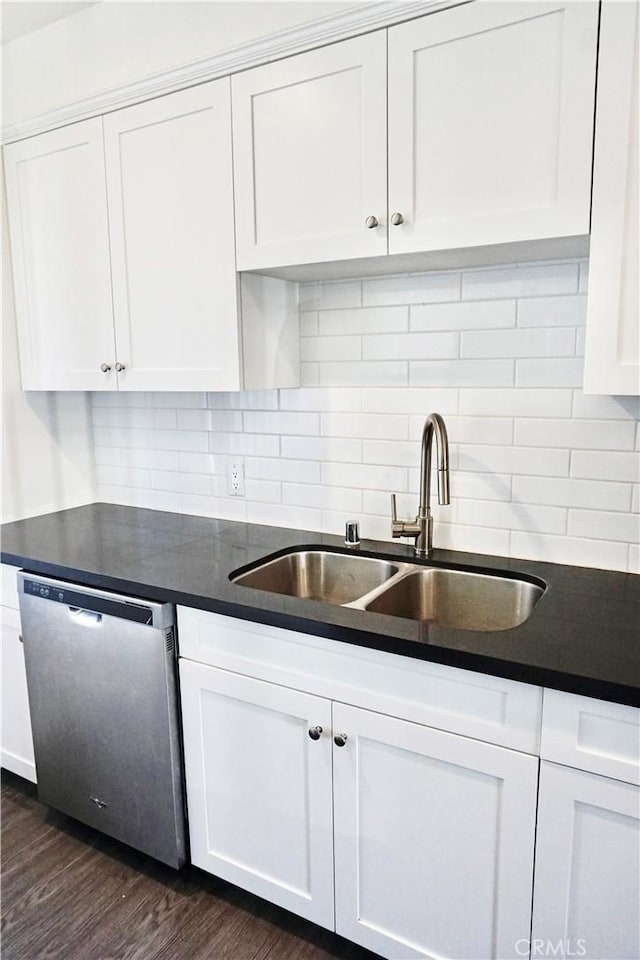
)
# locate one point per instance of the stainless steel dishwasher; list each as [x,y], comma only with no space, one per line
[101,677]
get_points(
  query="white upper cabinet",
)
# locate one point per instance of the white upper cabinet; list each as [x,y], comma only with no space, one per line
[489,109]
[612,352]
[170,188]
[60,248]
[491,124]
[309,137]
[144,208]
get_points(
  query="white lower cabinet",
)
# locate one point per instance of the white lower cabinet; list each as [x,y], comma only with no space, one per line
[16,742]
[587,893]
[259,787]
[434,838]
[432,832]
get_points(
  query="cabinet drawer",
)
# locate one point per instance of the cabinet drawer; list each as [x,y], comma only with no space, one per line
[591,735]
[476,705]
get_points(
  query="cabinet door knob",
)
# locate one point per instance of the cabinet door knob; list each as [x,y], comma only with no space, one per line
[340,739]
[314,732]
[120,367]
[105,367]
[397,219]
[371,222]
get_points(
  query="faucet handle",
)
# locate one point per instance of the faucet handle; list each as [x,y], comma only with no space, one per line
[402,528]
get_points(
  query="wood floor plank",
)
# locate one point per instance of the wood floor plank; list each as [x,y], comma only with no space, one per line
[70,893]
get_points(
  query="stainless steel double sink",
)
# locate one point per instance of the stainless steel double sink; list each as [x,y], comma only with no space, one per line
[450,596]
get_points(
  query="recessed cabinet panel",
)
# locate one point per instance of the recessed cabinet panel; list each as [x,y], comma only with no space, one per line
[587,888]
[60,248]
[434,840]
[612,351]
[310,156]
[259,787]
[490,124]
[170,184]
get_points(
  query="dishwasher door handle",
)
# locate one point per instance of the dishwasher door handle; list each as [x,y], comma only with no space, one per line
[88,618]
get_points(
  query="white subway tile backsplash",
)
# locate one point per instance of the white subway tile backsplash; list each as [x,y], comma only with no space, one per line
[364,476]
[280,422]
[249,444]
[531,280]
[538,469]
[382,426]
[605,408]
[518,403]
[296,471]
[410,346]
[413,288]
[364,320]
[605,466]
[263,491]
[492,430]
[308,324]
[575,434]
[550,372]
[544,342]
[599,525]
[330,348]
[338,449]
[195,463]
[322,497]
[552,312]
[284,515]
[342,399]
[244,400]
[415,400]
[461,373]
[391,373]
[328,296]
[512,516]
[571,550]
[466,315]
[536,461]
[566,492]
[392,452]
[181,482]
[193,440]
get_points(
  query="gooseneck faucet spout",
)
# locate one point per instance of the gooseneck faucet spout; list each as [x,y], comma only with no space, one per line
[422,527]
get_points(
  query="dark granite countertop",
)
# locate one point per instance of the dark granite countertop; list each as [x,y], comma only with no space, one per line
[583,635]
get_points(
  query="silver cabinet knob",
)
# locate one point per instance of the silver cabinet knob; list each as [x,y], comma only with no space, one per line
[105,367]
[340,739]
[315,732]
[120,367]
[371,222]
[397,219]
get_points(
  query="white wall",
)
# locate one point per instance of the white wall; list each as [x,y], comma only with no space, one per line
[539,470]
[47,451]
[112,43]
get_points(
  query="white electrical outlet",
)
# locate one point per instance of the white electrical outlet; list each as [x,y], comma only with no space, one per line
[235,480]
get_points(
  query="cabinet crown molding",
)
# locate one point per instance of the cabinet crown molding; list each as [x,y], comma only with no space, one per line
[285,43]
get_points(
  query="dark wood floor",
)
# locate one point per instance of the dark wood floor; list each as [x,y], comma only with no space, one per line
[70,893]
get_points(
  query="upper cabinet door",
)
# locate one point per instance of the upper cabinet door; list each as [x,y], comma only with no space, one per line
[60,247]
[612,352]
[170,186]
[309,136]
[491,124]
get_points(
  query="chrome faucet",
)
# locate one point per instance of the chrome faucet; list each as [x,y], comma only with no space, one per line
[422,527]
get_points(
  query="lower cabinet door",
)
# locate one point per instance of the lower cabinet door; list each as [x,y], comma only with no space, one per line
[15,728]
[258,774]
[587,888]
[434,837]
